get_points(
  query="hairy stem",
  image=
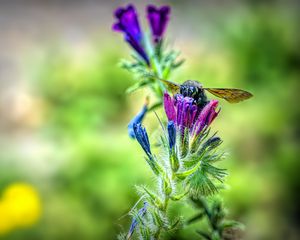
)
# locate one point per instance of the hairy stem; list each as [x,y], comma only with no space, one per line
[156,67]
[164,212]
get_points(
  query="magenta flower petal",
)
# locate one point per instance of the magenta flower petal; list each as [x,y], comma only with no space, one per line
[207,115]
[169,107]
[213,114]
[185,113]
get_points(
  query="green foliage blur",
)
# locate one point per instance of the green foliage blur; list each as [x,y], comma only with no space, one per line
[88,166]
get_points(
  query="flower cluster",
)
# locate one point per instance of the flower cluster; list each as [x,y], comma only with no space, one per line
[185,113]
[128,24]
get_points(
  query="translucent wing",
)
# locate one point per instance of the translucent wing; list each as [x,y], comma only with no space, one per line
[231,95]
[173,87]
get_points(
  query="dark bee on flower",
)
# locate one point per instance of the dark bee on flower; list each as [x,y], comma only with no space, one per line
[195,90]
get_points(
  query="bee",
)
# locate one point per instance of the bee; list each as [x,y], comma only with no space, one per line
[195,90]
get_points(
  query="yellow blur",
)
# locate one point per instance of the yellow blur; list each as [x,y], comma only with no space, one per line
[20,206]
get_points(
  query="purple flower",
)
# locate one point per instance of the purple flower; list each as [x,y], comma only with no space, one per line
[128,24]
[207,115]
[185,113]
[169,107]
[158,19]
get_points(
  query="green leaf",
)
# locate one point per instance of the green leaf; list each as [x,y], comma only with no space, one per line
[167,187]
[197,217]
[122,236]
[232,224]
[184,143]
[160,219]
[197,140]
[178,196]
[193,160]
[214,172]
[200,184]
[155,166]
[137,86]
[184,174]
[204,235]
[145,232]
[178,64]
[173,158]
[153,198]
[176,224]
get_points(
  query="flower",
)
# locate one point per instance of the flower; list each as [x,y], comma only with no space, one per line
[206,117]
[158,19]
[142,137]
[128,24]
[134,222]
[137,119]
[172,134]
[185,113]
[169,107]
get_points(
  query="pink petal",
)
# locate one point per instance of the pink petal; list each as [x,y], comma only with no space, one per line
[169,107]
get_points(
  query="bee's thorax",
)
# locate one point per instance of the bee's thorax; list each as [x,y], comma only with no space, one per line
[194,90]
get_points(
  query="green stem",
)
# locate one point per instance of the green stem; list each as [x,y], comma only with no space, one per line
[155,66]
[159,230]
[207,212]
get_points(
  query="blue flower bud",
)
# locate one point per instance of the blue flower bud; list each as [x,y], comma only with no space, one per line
[213,140]
[142,137]
[212,143]
[134,222]
[172,134]
[137,119]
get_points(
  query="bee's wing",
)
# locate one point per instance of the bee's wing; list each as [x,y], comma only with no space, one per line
[173,87]
[231,95]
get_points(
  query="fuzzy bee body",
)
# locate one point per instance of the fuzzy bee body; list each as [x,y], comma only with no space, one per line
[194,90]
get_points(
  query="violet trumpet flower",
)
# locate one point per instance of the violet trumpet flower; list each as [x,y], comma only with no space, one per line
[158,19]
[128,24]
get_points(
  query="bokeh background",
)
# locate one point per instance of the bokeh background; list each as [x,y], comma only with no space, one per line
[67,166]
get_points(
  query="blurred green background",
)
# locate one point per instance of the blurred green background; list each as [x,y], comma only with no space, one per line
[64,112]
